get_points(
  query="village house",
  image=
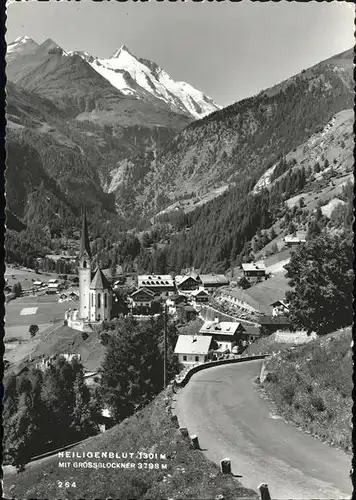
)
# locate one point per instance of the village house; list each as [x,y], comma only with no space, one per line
[53,288]
[192,349]
[141,300]
[186,313]
[173,302]
[251,333]
[225,333]
[199,297]
[253,272]
[187,284]
[211,282]
[279,308]
[291,241]
[273,323]
[162,285]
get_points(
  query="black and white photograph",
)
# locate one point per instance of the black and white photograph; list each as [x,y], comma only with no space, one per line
[178,250]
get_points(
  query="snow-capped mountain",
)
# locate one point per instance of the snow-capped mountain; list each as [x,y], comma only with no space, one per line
[137,78]
[21,46]
[140,77]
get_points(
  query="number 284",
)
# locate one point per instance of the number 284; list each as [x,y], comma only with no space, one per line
[66,484]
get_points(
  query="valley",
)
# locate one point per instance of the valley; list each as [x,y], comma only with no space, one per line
[150,232]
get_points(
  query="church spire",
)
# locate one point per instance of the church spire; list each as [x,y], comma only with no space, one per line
[84,241]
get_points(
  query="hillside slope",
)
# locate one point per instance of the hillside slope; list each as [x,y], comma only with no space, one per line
[187,473]
[243,140]
[75,87]
[311,385]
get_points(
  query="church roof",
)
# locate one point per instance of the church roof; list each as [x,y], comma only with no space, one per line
[84,241]
[99,282]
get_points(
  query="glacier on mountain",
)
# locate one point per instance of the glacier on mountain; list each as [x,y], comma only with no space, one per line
[133,76]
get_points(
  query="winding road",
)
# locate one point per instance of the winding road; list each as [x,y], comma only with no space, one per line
[224,408]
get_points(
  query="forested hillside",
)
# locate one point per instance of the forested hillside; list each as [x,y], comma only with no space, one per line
[294,140]
[241,141]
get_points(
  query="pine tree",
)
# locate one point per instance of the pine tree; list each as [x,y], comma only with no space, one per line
[132,371]
[23,438]
[83,417]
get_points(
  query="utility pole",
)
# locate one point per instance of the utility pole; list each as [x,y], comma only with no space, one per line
[165,347]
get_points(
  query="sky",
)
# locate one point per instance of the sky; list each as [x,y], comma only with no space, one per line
[228,50]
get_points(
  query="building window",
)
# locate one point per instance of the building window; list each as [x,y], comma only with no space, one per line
[196,358]
[85,264]
[99,300]
[184,358]
[105,300]
[92,299]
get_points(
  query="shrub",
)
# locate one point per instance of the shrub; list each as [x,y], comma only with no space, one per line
[33,330]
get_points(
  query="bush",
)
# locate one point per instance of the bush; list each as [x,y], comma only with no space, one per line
[17,289]
[33,330]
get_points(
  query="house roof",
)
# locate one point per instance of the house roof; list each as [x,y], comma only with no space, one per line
[274,320]
[99,282]
[193,344]
[213,279]
[252,330]
[294,239]
[278,302]
[251,266]
[190,309]
[199,292]
[155,280]
[181,279]
[220,328]
[144,291]
[177,298]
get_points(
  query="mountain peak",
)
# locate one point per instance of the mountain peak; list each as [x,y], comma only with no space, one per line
[23,39]
[22,45]
[50,44]
[121,50]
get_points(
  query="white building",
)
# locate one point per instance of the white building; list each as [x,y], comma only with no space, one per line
[226,334]
[193,349]
[162,284]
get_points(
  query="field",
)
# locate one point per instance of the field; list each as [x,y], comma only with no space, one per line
[26,276]
[35,309]
[311,386]
[52,338]
[186,473]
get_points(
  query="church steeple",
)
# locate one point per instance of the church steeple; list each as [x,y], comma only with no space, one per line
[84,242]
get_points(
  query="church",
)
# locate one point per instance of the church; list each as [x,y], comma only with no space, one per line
[95,294]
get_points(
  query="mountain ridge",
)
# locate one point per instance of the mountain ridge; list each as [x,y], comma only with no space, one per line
[128,74]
